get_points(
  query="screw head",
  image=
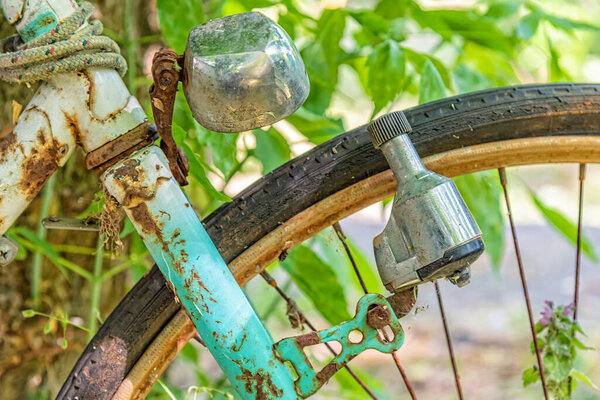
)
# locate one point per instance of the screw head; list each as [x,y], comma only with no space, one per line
[378,316]
[8,250]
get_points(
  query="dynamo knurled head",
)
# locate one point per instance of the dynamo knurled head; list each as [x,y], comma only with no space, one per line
[388,127]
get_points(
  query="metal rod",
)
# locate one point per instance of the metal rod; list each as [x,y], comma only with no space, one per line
[273,283]
[448,341]
[340,234]
[503,182]
[404,377]
[578,256]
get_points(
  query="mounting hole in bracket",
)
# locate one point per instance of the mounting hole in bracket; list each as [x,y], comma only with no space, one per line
[355,336]
[386,334]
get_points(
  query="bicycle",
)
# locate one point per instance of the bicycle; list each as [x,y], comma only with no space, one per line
[356,176]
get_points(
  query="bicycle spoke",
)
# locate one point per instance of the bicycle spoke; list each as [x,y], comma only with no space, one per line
[340,234]
[273,283]
[503,182]
[578,256]
[404,377]
[342,237]
[448,340]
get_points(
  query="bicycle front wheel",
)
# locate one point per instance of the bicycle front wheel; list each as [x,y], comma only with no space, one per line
[554,123]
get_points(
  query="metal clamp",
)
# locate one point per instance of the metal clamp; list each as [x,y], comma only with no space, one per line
[373,314]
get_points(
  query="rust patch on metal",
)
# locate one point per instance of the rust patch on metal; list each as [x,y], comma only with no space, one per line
[308,339]
[141,215]
[37,168]
[259,383]
[327,372]
[128,170]
[378,317]
[403,302]
[73,126]
[8,145]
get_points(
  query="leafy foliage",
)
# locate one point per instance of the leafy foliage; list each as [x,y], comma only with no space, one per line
[318,280]
[482,194]
[556,332]
[565,227]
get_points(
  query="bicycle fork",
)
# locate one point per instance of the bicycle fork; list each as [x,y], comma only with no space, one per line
[190,262]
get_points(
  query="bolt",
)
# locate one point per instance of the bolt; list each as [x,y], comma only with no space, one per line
[461,277]
[378,316]
[8,250]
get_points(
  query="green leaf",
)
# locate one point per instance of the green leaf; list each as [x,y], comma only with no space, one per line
[468,24]
[329,247]
[197,172]
[528,26]
[418,61]
[28,313]
[317,128]
[47,328]
[223,147]
[565,227]
[392,9]
[469,80]
[530,376]
[190,352]
[569,25]
[371,21]
[321,58]
[432,86]
[319,282]
[581,377]
[503,9]
[196,168]
[272,149]
[557,74]
[386,65]
[482,194]
[176,20]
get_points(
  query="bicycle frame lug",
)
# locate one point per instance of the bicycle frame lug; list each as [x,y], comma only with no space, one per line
[372,315]
[8,250]
[431,233]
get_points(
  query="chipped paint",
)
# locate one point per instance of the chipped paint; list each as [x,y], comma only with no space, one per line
[188,259]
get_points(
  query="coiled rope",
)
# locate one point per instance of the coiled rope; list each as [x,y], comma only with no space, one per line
[66,48]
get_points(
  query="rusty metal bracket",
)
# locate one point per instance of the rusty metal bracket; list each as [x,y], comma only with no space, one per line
[112,152]
[374,327]
[162,94]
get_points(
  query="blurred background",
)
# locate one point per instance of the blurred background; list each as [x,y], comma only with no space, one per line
[364,58]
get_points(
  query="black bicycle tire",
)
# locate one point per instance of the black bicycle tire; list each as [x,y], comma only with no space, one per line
[447,124]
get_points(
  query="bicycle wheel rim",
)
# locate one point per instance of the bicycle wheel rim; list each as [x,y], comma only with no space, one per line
[543,123]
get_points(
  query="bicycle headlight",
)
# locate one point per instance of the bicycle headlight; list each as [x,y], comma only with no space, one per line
[242,72]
